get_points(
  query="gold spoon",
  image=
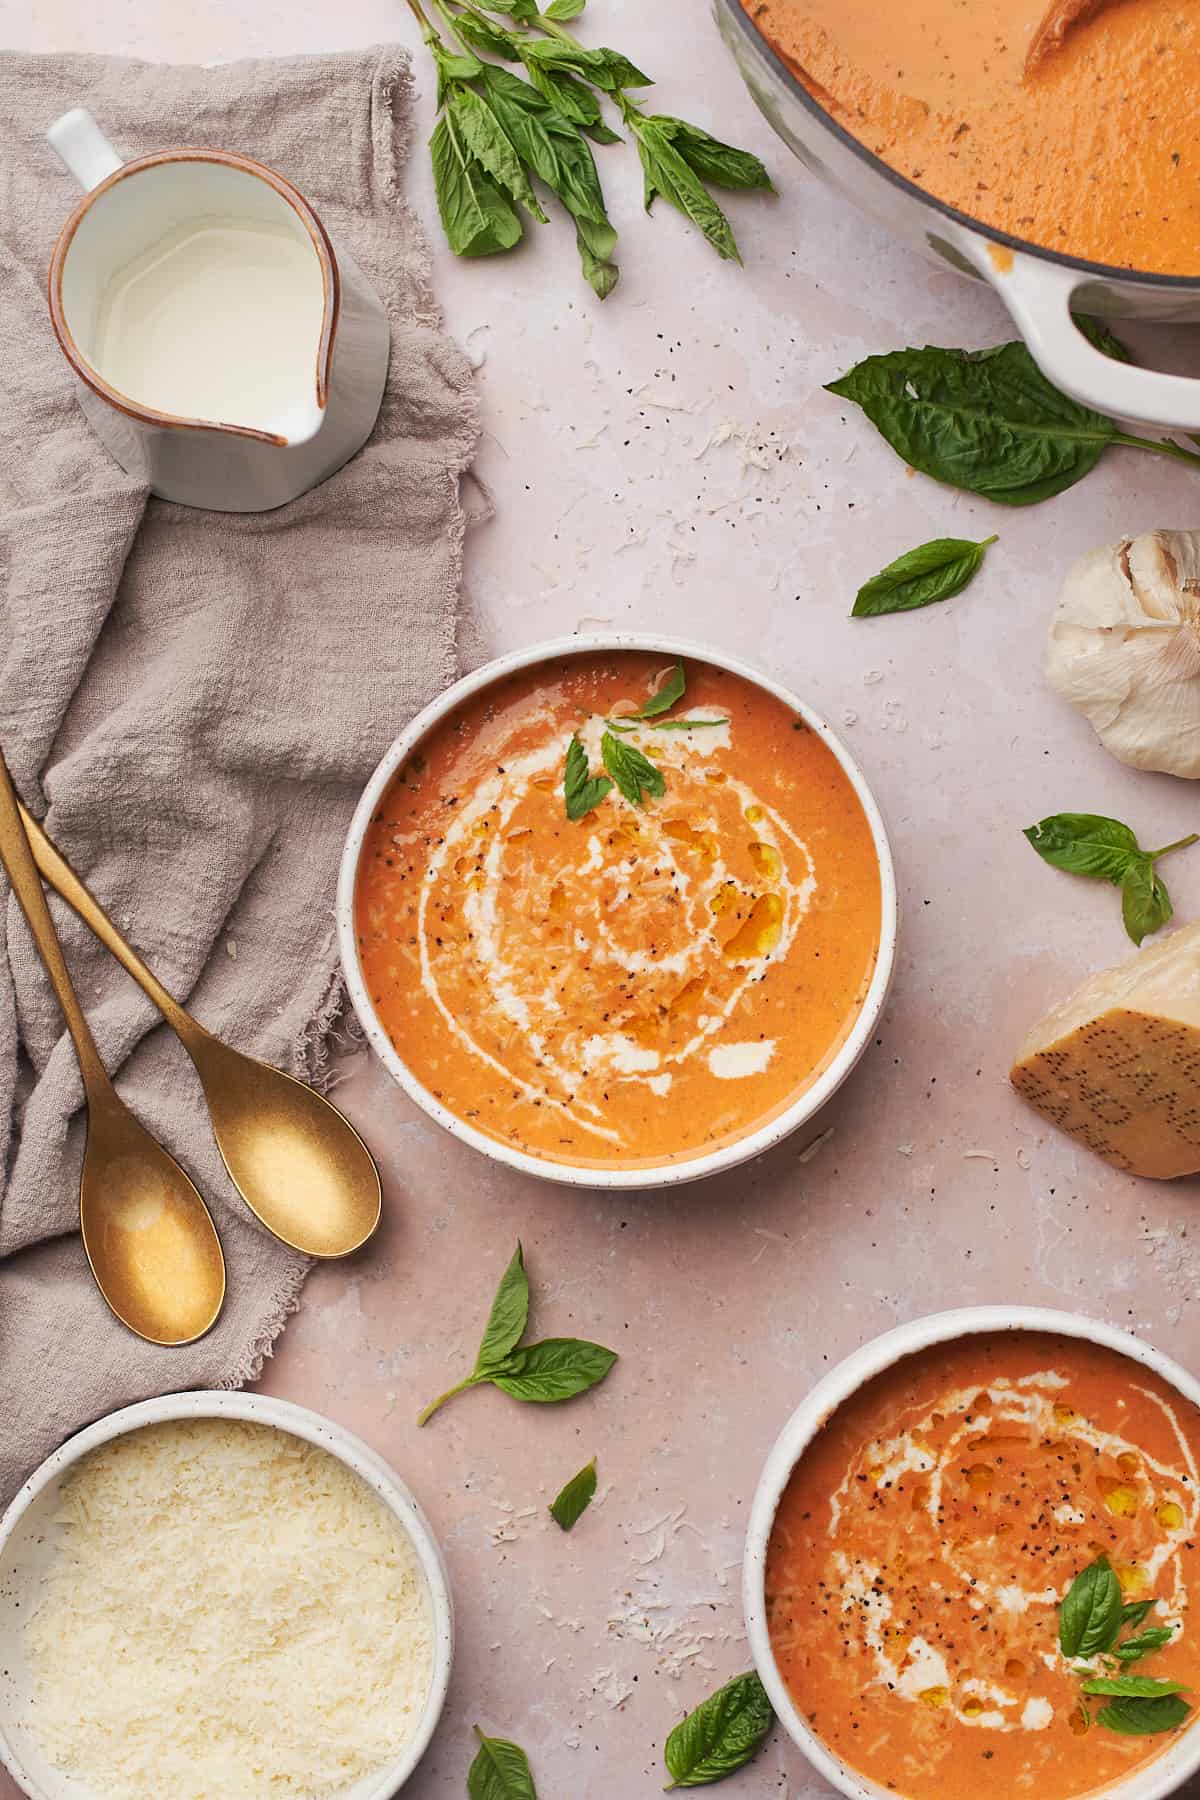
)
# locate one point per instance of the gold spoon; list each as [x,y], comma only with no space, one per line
[153,1248]
[299,1165]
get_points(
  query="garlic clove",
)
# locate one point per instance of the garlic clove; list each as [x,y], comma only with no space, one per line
[1124,648]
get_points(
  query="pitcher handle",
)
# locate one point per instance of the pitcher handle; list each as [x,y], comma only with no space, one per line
[84,148]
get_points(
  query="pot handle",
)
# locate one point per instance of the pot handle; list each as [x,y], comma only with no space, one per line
[1040,296]
[84,148]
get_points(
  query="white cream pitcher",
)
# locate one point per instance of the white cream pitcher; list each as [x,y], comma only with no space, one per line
[227,354]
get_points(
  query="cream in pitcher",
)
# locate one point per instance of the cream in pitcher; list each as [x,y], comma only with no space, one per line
[227,353]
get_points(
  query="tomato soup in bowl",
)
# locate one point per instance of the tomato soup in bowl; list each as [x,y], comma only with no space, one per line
[618,913]
[971,1562]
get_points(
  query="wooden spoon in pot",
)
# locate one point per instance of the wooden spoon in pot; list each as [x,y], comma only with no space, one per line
[299,1165]
[151,1243]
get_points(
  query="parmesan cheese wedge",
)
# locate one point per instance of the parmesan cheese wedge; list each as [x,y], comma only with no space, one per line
[1118,1064]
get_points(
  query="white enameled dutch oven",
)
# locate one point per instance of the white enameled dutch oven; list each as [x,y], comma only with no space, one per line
[1039,287]
[668,1174]
[1168,1771]
[27,1546]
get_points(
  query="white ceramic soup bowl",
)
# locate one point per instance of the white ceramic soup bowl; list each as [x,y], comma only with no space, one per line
[1172,1767]
[668,1174]
[27,1545]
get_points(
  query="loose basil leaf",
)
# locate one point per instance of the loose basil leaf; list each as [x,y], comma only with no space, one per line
[575,102]
[562,10]
[1090,1615]
[552,1370]
[1136,1687]
[556,153]
[722,164]
[633,773]
[987,421]
[483,137]
[605,69]
[1134,1611]
[663,698]
[1145,1718]
[1085,844]
[933,571]
[1134,1648]
[478,219]
[500,1771]
[1145,903]
[721,1735]
[568,1507]
[525,12]
[581,791]
[685,724]
[667,173]
[509,1315]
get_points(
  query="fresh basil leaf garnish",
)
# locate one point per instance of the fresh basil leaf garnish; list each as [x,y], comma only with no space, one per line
[1133,1687]
[665,697]
[933,571]
[484,138]
[1106,850]
[1089,1618]
[1134,1648]
[509,1315]
[721,1735]
[1145,903]
[1085,844]
[1134,1611]
[987,421]
[634,774]
[581,791]
[500,1771]
[712,160]
[667,172]
[1144,1718]
[569,1506]
[554,1369]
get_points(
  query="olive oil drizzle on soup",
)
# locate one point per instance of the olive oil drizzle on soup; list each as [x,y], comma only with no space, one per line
[927,1536]
[645,983]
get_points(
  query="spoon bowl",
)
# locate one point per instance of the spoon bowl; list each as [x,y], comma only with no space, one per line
[299,1165]
[148,1235]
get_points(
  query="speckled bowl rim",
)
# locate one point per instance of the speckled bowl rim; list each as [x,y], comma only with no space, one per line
[666,1174]
[350,1450]
[1156,1779]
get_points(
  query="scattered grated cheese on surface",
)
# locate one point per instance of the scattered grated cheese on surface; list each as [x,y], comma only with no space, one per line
[231,1612]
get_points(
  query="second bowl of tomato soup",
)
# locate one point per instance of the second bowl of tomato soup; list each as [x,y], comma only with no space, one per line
[972,1561]
[618,913]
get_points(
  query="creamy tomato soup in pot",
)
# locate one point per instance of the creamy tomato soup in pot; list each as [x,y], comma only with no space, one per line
[617,910]
[1069,123]
[980,1578]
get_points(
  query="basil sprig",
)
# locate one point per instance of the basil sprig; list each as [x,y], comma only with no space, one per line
[1106,850]
[569,1506]
[551,1370]
[498,132]
[633,774]
[721,1735]
[1091,1619]
[934,571]
[987,421]
[500,1771]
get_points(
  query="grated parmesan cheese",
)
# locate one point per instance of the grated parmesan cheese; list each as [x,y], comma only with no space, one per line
[231,1612]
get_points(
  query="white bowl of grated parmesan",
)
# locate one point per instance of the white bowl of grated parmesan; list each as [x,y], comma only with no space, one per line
[218,1596]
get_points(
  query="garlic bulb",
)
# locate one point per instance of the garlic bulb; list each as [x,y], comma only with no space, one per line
[1125,648]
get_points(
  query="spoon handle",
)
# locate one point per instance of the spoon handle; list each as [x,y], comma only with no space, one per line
[17,857]
[57,871]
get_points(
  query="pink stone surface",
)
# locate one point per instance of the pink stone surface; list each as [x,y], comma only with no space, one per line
[671,460]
